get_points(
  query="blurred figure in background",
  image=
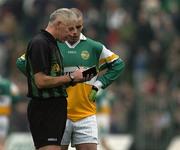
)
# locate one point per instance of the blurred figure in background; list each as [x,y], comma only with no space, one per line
[104,102]
[9,93]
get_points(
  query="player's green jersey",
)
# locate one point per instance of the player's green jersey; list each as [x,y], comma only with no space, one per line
[86,53]
[8,93]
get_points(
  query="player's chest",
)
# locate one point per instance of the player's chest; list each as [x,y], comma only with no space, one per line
[77,56]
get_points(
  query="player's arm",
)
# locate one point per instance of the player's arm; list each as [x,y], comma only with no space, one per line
[113,64]
[21,64]
[114,70]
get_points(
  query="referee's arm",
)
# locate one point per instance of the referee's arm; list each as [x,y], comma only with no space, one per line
[44,81]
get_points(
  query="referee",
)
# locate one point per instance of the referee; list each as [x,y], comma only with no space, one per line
[47,109]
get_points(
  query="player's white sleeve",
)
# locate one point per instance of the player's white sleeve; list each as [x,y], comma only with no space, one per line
[107,56]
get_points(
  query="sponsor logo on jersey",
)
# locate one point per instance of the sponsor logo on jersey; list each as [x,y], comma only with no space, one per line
[55,68]
[85,55]
[72,52]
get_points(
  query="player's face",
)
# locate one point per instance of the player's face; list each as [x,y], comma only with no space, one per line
[66,30]
[75,37]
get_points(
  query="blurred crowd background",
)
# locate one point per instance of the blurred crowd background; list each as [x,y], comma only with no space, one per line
[144,33]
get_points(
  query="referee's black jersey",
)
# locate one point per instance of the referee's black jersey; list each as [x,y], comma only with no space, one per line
[43,55]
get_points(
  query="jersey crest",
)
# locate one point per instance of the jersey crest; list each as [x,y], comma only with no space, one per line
[85,55]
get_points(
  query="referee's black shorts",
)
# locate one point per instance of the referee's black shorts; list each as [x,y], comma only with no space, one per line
[47,119]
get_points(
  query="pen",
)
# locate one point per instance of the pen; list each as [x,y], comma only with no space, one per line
[78,67]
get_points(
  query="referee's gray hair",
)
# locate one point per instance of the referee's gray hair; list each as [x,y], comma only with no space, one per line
[63,13]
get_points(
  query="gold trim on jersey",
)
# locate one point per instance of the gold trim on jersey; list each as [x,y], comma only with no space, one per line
[108,59]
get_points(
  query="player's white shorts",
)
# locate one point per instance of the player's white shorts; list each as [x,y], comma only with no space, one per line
[4,126]
[82,131]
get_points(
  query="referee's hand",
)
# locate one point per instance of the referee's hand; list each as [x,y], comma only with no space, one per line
[77,75]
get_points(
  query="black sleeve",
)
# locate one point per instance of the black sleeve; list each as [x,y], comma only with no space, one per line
[39,56]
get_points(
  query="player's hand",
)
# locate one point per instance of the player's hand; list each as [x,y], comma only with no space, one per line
[93,92]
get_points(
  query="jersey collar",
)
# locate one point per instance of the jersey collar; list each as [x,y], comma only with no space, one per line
[82,37]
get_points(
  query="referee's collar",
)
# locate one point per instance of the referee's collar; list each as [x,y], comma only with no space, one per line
[48,35]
